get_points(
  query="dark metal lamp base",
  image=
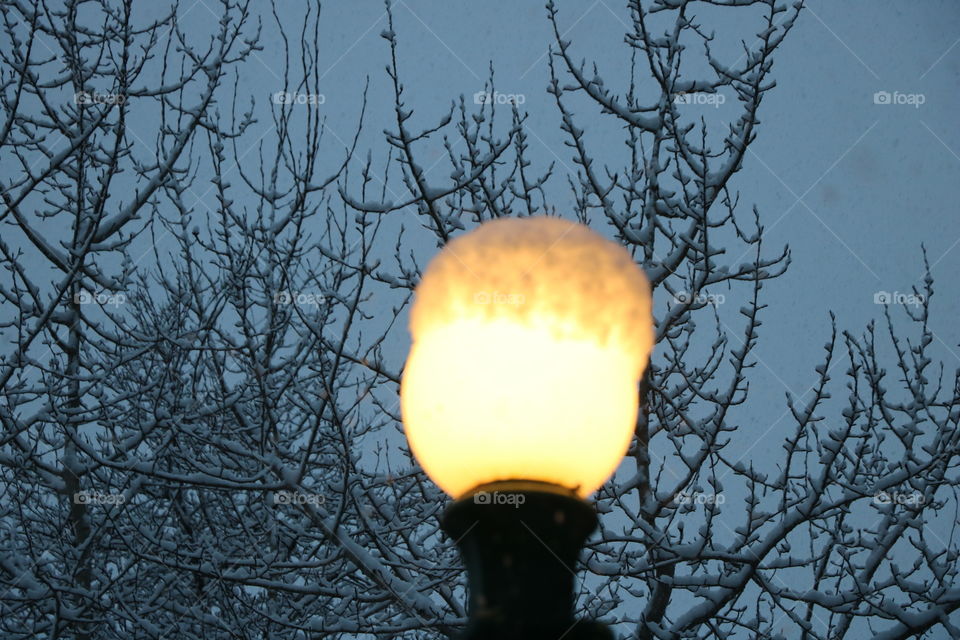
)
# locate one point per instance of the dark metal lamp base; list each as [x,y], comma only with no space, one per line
[519,541]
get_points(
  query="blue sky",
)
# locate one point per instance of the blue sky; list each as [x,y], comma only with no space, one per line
[853,184]
[855,165]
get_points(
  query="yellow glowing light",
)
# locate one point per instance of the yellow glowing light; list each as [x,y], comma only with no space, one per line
[529,338]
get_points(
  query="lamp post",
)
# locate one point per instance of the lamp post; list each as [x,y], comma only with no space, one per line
[519,399]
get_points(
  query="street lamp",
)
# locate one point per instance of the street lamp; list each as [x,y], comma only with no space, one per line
[519,399]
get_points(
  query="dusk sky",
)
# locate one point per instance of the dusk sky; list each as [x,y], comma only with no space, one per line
[853,185]
[854,167]
[196,383]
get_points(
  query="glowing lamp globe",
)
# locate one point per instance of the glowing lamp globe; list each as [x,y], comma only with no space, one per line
[530,336]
